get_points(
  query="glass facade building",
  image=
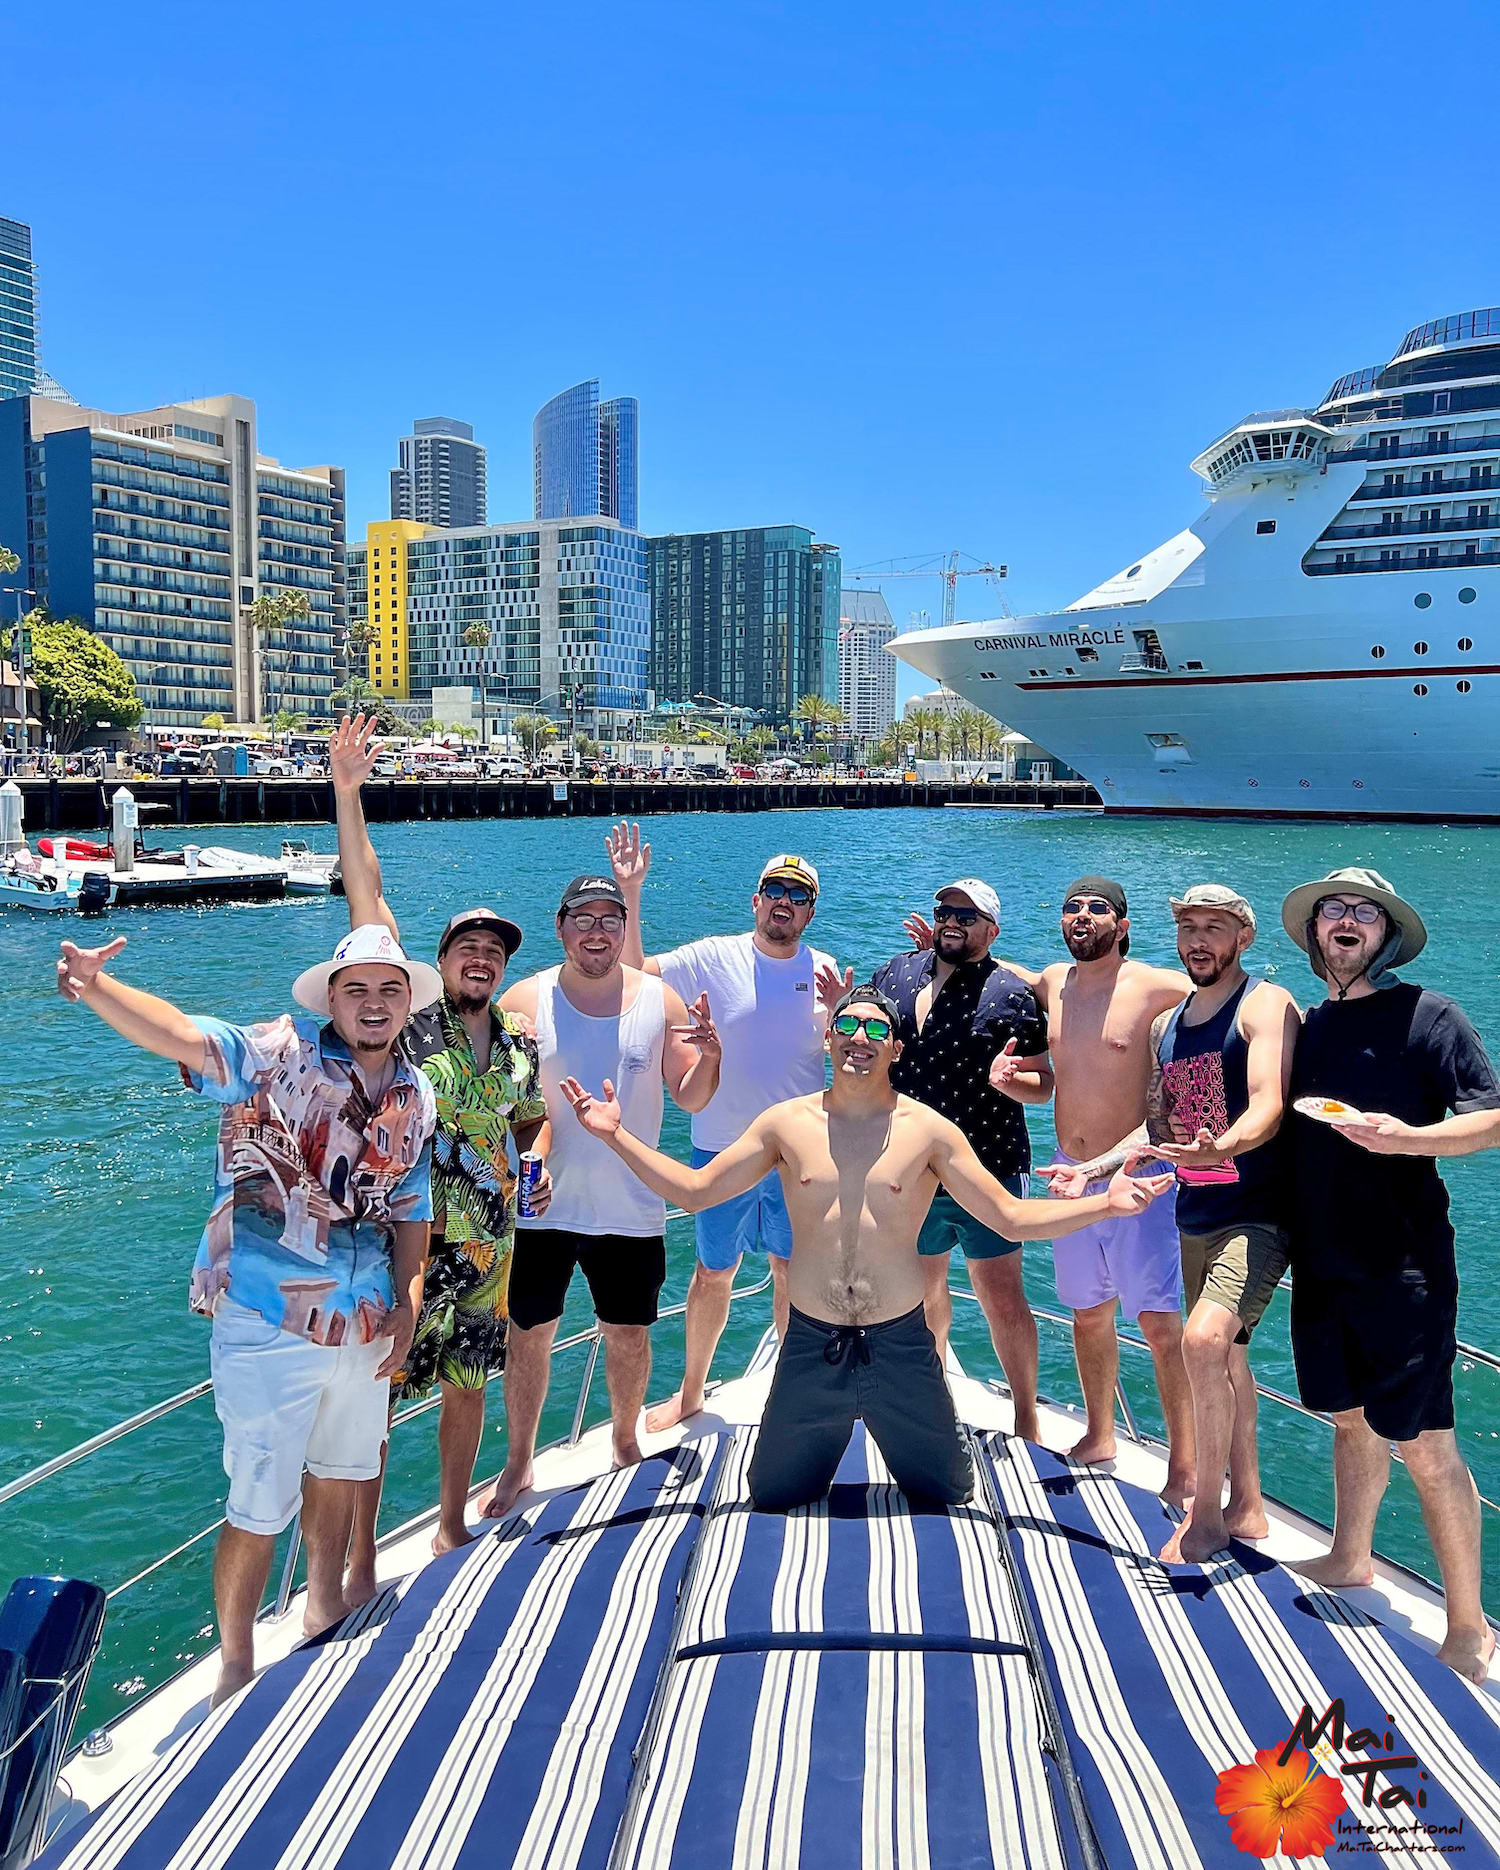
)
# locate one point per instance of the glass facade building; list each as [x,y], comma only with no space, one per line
[749,618]
[585,456]
[159,530]
[18,310]
[441,479]
[565,606]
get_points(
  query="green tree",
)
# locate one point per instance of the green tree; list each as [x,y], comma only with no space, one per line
[818,715]
[82,682]
[357,696]
[477,636]
[8,561]
[216,721]
[269,617]
[533,731]
[921,727]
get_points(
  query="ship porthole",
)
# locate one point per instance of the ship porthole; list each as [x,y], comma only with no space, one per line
[1464,687]
[1305,782]
[1466,642]
[1377,652]
[1419,649]
[1467,594]
[1422,600]
[1252,782]
[1419,688]
[1360,784]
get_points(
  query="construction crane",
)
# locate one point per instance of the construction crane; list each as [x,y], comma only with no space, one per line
[949,566]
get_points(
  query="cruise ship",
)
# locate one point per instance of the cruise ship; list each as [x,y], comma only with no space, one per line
[1322,641]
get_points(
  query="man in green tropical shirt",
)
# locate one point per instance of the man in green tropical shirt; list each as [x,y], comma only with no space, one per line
[482,1065]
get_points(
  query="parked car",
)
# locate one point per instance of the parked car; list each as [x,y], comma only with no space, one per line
[271,766]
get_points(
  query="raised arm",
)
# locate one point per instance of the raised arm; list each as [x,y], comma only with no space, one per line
[630,862]
[154,1025]
[691,1054]
[734,1171]
[352,752]
[977,1191]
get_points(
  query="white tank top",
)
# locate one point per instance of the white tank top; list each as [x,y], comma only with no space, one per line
[592,1190]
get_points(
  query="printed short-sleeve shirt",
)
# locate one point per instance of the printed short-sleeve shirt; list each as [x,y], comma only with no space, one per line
[310,1179]
[947,1065]
[473,1186]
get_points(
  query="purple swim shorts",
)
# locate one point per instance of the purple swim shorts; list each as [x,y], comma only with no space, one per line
[1136,1259]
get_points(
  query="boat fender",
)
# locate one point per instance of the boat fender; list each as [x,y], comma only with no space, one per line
[52,1626]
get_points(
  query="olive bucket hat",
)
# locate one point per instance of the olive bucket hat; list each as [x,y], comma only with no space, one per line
[1408,936]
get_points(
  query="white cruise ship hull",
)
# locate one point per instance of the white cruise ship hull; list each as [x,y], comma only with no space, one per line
[1222,676]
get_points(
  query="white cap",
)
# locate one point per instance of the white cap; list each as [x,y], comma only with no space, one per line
[980,894]
[371,942]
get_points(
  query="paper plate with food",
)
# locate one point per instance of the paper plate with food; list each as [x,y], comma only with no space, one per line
[1328,1110]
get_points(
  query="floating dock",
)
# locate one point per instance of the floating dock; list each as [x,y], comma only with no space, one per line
[152,883]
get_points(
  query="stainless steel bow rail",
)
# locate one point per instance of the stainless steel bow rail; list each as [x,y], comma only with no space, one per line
[592,1338]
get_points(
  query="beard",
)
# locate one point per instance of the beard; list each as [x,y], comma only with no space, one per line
[1093,945]
[1346,963]
[593,966]
[783,934]
[1207,975]
[371,1048]
[469,1002]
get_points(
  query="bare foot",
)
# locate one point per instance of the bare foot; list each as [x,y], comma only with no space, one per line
[1469,1652]
[498,1498]
[316,1618]
[1335,1573]
[1178,1491]
[669,1413]
[359,1586]
[1093,1450]
[1192,1544]
[627,1456]
[450,1538]
[232,1678]
[1246,1522]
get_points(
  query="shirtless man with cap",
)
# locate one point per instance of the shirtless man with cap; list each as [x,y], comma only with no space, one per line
[1100,1008]
[859,1165]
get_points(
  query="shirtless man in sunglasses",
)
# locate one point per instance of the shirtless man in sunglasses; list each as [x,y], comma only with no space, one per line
[859,1165]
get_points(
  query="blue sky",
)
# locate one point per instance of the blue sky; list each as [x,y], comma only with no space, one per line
[983,276]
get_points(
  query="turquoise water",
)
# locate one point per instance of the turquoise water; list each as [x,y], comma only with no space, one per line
[105,1160]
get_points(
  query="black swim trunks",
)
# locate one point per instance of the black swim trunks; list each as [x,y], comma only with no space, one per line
[626,1273]
[828,1377]
[1384,1346]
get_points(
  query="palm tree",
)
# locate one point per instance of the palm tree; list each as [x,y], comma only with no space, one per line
[477,636]
[269,616]
[533,731]
[922,725]
[817,712]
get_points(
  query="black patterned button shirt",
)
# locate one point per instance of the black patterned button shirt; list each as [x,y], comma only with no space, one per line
[947,1065]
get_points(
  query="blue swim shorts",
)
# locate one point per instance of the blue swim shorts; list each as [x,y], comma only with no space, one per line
[948,1226]
[755,1222]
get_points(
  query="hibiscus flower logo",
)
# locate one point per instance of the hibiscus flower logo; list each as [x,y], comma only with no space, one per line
[1273,1806]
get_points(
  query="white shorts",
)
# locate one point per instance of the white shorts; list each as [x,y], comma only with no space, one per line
[287,1403]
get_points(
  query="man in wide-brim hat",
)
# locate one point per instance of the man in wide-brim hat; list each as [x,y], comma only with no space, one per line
[1374,1274]
[311,1261]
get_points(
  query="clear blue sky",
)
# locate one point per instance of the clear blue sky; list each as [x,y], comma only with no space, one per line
[967,275]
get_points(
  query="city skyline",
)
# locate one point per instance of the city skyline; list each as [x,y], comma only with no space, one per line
[983,254]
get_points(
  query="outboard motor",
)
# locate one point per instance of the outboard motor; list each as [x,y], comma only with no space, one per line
[49,1636]
[93,893]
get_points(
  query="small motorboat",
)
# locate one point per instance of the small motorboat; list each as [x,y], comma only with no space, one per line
[74,850]
[308,872]
[27,883]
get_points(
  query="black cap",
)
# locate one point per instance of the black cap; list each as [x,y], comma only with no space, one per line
[508,931]
[591,888]
[1112,893]
[868,994]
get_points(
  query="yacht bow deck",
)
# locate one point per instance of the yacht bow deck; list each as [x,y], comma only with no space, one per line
[636,1672]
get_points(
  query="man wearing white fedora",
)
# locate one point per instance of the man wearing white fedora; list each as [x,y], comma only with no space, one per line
[1380,1066]
[311,1262]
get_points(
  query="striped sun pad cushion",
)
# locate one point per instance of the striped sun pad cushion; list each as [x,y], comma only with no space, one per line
[1167,1675]
[488,1721]
[785,1736]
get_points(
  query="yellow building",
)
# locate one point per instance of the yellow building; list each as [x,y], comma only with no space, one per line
[386,596]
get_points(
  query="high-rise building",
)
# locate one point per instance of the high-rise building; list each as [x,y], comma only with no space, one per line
[159,530]
[584,456]
[18,310]
[749,617]
[565,605]
[867,670]
[440,481]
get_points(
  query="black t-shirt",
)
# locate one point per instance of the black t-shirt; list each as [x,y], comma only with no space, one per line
[947,1065]
[1401,1052]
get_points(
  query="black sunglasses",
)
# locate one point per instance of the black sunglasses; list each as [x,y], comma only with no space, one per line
[797,894]
[950,912]
[1095,906]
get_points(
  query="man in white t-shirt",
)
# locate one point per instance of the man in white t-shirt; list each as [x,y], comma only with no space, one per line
[763,996]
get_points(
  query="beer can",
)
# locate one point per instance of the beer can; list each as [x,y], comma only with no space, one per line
[530,1165]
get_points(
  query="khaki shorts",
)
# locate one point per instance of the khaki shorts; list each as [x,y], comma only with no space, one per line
[1237,1267]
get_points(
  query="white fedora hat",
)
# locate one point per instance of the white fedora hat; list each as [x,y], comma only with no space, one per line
[371,942]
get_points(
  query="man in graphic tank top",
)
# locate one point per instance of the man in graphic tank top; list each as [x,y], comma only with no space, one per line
[597,1016]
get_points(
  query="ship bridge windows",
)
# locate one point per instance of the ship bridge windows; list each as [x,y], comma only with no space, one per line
[1251,447]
